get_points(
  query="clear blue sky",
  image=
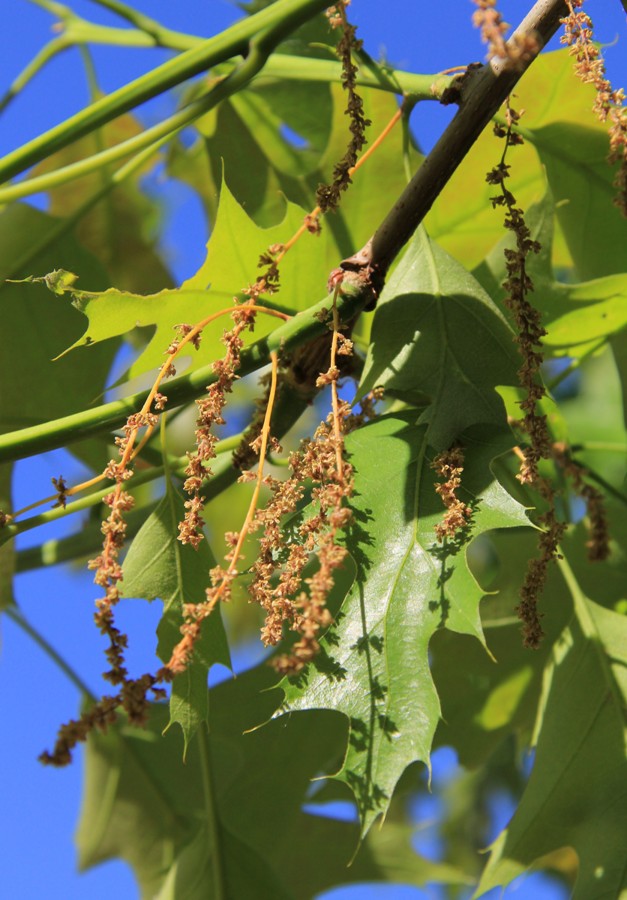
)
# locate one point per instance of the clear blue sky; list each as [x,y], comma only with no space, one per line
[40,806]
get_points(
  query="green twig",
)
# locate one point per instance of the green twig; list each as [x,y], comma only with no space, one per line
[64,226]
[56,45]
[289,407]
[109,416]
[95,497]
[279,19]
[136,18]
[16,616]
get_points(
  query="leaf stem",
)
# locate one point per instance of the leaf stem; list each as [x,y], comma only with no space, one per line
[276,21]
[61,432]
[16,616]
[217,868]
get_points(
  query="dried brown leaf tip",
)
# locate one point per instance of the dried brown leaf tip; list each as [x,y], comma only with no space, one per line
[609,103]
[517,51]
[449,466]
[328,195]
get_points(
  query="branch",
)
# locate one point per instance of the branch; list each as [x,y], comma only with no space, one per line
[481,94]
[69,429]
[281,17]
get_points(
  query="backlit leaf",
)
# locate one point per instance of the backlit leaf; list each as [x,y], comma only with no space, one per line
[120,229]
[240,794]
[232,254]
[38,325]
[562,135]
[159,565]
[577,794]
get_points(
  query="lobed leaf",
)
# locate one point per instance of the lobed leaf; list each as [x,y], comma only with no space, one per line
[159,565]
[438,338]
[374,667]
[143,805]
[120,230]
[575,800]
[232,254]
[564,144]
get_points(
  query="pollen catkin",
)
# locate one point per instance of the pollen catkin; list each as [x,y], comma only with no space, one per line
[529,334]
[598,543]
[517,51]
[608,104]
[449,465]
[328,195]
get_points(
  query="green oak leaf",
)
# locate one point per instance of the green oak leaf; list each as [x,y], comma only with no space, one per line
[578,317]
[232,253]
[120,230]
[260,184]
[558,147]
[34,386]
[159,565]
[576,798]
[483,699]
[266,140]
[374,667]
[420,349]
[239,793]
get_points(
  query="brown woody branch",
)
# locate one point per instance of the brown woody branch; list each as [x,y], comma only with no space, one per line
[481,92]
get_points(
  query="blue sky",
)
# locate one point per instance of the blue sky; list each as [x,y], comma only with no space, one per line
[40,806]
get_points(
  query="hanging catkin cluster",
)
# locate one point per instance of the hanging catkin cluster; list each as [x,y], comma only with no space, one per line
[529,333]
[328,195]
[609,102]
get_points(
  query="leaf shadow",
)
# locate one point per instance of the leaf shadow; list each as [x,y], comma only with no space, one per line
[445,554]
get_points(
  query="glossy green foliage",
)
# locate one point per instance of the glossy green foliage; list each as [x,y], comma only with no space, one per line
[374,667]
[229,791]
[420,347]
